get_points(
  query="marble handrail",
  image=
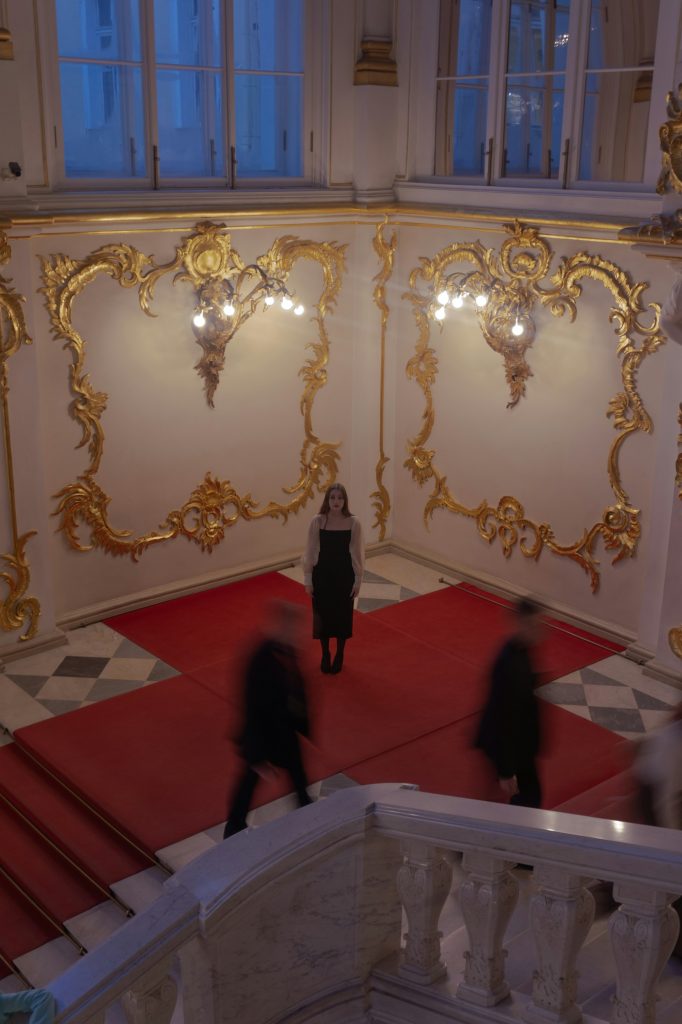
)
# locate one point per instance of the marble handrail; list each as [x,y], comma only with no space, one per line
[295,916]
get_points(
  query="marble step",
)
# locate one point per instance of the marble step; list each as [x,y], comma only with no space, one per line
[95,925]
[43,965]
[139,891]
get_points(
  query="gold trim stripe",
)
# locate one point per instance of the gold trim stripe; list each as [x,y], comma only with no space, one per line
[385,250]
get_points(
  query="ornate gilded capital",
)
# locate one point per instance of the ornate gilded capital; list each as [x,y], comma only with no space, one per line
[515,275]
[376,66]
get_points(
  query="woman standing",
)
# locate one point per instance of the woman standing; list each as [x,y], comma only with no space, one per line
[332,573]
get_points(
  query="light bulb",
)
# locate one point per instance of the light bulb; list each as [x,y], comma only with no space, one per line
[444,298]
[300,310]
[269,300]
[286,303]
[458,300]
[481,300]
[440,313]
[199,319]
[228,309]
[517,329]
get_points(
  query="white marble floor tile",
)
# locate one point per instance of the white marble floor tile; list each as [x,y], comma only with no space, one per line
[127,668]
[47,962]
[578,709]
[17,709]
[658,689]
[96,640]
[141,890]
[408,574]
[652,719]
[609,696]
[618,667]
[65,688]
[294,572]
[94,926]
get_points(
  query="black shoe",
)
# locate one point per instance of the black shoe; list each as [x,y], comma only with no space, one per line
[326,664]
[337,664]
[232,830]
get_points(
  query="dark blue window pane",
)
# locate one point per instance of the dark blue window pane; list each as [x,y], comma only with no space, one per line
[538,36]
[268,35]
[473,38]
[534,113]
[103,121]
[470,112]
[188,32]
[269,126]
[109,29]
[190,112]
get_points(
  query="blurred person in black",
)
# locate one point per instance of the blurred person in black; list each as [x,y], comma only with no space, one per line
[275,712]
[509,731]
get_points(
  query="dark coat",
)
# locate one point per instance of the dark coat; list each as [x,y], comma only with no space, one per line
[509,731]
[275,707]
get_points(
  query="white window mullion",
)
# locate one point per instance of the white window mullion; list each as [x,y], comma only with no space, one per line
[576,65]
[149,85]
[232,170]
[497,84]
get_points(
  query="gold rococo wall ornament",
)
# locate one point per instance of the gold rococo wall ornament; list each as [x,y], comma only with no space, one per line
[670,134]
[214,505]
[619,525]
[385,249]
[17,611]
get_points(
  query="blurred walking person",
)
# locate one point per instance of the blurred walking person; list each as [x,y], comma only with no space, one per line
[275,713]
[509,731]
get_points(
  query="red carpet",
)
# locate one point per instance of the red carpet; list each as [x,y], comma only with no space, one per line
[461,621]
[159,762]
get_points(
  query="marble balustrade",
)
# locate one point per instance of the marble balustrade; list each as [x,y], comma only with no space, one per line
[334,912]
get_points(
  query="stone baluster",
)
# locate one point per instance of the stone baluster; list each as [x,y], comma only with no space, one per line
[153,997]
[561,915]
[198,982]
[488,898]
[643,932]
[424,881]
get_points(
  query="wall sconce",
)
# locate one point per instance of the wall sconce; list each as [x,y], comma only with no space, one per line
[228,292]
[502,289]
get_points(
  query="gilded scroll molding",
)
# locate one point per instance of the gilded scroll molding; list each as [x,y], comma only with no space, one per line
[17,611]
[670,135]
[214,505]
[619,526]
[385,249]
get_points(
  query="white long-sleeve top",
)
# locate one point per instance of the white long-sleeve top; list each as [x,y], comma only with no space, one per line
[312,549]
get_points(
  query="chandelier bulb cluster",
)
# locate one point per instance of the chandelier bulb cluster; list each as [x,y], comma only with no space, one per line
[229,305]
[456,295]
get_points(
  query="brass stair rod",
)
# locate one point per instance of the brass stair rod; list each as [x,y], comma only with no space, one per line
[43,911]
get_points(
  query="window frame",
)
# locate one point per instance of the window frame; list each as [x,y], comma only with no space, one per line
[311,135]
[575,80]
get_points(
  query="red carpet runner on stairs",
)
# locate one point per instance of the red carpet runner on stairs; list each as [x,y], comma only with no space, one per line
[158,762]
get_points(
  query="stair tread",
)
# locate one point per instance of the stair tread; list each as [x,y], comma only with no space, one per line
[47,962]
[29,929]
[66,820]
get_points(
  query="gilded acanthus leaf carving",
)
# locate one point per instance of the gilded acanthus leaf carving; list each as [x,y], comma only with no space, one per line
[637,327]
[214,505]
[16,610]
[385,249]
[670,135]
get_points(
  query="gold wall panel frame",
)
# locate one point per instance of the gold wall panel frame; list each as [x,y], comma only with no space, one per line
[17,611]
[675,634]
[619,526]
[385,248]
[214,505]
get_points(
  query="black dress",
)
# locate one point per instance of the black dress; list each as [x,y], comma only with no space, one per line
[333,582]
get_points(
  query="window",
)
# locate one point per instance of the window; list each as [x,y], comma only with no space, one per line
[177,91]
[554,90]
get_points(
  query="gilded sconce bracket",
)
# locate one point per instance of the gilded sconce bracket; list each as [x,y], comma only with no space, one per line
[16,610]
[619,526]
[207,259]
[385,249]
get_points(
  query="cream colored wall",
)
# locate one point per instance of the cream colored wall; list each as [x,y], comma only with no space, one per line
[160,436]
[550,451]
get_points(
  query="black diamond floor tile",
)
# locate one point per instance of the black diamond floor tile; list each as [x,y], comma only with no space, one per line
[77,665]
